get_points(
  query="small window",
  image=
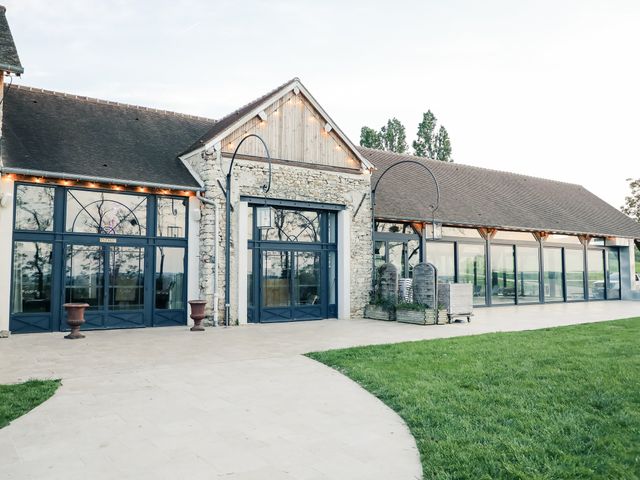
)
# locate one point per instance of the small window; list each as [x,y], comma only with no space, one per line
[294,226]
[395,228]
[460,232]
[514,236]
[106,213]
[34,208]
[563,239]
[32,277]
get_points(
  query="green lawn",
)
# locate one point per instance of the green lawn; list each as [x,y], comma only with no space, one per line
[559,403]
[18,399]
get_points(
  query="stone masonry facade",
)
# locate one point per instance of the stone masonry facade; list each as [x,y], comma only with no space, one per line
[290,182]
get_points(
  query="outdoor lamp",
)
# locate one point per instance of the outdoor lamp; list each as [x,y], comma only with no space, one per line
[264,217]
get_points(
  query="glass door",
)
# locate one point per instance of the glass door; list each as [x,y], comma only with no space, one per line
[108,278]
[291,285]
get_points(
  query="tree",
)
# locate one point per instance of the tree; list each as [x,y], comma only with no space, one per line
[394,136]
[443,146]
[370,138]
[424,145]
[632,202]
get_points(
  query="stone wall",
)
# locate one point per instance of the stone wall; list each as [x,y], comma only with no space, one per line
[291,183]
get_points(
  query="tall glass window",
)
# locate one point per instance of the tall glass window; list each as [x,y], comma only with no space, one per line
[170,278]
[84,275]
[528,274]
[595,260]
[396,256]
[34,208]
[442,256]
[32,277]
[553,286]
[306,278]
[126,278]
[471,269]
[502,274]
[106,213]
[413,256]
[172,215]
[574,263]
[613,274]
[380,254]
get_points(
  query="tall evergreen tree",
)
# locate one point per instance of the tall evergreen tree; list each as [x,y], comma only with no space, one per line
[394,136]
[424,145]
[443,146]
[370,138]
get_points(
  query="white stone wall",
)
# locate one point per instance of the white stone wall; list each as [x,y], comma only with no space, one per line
[6,235]
[290,183]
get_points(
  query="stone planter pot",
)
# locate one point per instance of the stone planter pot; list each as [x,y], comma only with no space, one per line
[376,312]
[197,314]
[75,318]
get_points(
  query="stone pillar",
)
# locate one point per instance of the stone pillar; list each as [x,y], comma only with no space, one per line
[193,253]
[6,237]
[344,264]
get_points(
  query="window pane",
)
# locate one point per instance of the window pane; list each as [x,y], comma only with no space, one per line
[294,226]
[84,278]
[332,222]
[333,278]
[471,269]
[563,239]
[34,208]
[553,288]
[413,255]
[518,236]
[613,274]
[380,254]
[126,278]
[528,275]
[32,277]
[502,274]
[396,256]
[306,278]
[250,277]
[106,213]
[170,277]
[276,271]
[172,215]
[441,255]
[595,260]
[395,228]
[574,262]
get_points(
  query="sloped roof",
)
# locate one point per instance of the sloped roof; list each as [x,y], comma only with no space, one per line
[481,197]
[228,120]
[67,134]
[9,59]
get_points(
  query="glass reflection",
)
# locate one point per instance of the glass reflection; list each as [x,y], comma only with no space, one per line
[441,255]
[333,278]
[34,208]
[32,277]
[502,274]
[528,274]
[595,260]
[471,269]
[613,274]
[126,278]
[170,278]
[306,278]
[396,256]
[294,226]
[553,288]
[84,278]
[276,271]
[106,213]
[172,215]
[574,262]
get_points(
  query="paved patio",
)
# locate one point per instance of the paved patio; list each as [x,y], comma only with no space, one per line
[237,403]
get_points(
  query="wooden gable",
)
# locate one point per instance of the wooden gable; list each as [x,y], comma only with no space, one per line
[294,131]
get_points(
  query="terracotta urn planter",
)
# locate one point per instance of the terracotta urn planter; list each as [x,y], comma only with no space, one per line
[75,318]
[197,314]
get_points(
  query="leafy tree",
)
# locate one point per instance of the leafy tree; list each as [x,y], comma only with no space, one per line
[370,138]
[394,136]
[632,202]
[443,146]
[424,145]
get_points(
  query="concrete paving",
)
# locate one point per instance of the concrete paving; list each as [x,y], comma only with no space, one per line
[236,403]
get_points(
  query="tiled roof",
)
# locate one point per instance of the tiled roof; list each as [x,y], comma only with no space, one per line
[225,122]
[9,59]
[62,133]
[481,197]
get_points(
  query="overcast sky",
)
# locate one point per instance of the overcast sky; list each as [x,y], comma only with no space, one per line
[549,88]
